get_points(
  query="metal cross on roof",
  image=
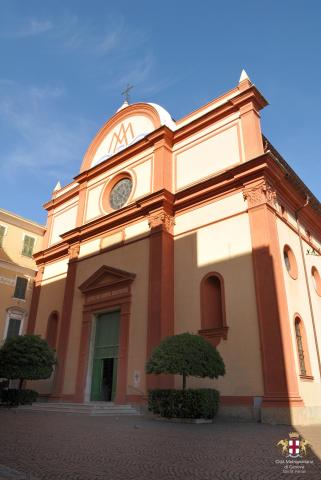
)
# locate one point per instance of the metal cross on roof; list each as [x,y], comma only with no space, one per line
[126,92]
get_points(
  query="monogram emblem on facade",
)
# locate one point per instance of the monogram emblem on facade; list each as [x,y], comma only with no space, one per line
[122,138]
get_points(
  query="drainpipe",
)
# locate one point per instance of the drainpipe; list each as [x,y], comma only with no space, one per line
[307,280]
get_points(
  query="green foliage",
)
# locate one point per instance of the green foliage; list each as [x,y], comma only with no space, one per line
[14,397]
[196,403]
[186,354]
[26,357]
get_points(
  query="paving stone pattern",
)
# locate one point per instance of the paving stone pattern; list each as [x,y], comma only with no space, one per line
[42,446]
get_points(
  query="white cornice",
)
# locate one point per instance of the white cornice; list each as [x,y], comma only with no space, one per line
[13,267]
[21,222]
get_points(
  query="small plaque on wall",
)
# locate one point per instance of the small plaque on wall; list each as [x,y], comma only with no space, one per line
[136,378]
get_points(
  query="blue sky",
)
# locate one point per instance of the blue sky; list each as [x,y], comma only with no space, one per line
[64,65]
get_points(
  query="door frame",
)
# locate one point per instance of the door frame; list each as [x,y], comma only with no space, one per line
[87,392]
[101,297]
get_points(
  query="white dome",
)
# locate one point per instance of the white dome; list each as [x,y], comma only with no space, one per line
[164,116]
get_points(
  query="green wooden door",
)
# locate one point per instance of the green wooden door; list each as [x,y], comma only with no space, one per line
[96,379]
[106,346]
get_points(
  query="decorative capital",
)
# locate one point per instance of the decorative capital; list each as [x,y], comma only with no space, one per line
[74,251]
[259,194]
[41,269]
[161,219]
[39,274]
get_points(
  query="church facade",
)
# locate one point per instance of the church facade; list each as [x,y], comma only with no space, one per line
[194,225]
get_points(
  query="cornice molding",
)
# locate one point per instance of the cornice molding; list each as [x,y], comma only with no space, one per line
[14,267]
[65,197]
[108,277]
[250,94]
[261,180]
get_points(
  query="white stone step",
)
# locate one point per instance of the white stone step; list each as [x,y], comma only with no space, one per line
[93,409]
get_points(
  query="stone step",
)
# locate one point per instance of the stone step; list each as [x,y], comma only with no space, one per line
[79,406]
[84,405]
[90,413]
[93,409]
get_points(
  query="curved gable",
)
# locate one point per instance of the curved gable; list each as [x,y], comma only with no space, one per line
[126,127]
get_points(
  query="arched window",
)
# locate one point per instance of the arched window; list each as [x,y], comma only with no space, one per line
[302,348]
[52,329]
[213,321]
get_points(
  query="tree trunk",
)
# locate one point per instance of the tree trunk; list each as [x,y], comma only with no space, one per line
[184,380]
[20,383]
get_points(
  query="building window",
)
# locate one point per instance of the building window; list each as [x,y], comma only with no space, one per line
[13,327]
[28,245]
[118,192]
[316,280]
[2,234]
[52,330]
[213,321]
[290,262]
[14,322]
[299,343]
[302,349]
[21,287]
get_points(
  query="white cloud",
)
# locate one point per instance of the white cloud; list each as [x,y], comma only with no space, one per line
[136,72]
[46,143]
[73,34]
[159,85]
[108,42]
[31,28]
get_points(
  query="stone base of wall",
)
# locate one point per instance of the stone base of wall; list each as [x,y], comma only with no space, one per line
[271,415]
[253,412]
[291,415]
[239,413]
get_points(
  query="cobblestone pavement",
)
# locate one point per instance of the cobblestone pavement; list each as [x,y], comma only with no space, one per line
[42,446]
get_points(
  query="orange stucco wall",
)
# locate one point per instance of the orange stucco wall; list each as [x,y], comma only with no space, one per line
[298,304]
[217,248]
[133,258]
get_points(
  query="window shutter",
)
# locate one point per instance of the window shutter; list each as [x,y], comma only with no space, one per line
[2,232]
[13,328]
[21,286]
[28,244]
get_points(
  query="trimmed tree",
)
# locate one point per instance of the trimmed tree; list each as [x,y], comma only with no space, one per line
[26,357]
[187,355]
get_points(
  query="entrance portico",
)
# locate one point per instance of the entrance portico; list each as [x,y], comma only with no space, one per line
[106,316]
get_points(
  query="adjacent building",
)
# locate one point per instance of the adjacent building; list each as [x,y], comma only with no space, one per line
[19,240]
[192,225]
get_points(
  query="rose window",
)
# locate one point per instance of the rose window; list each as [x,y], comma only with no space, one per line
[120,193]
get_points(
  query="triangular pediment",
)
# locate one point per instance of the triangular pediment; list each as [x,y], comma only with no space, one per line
[106,277]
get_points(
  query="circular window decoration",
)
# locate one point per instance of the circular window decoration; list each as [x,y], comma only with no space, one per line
[316,280]
[290,262]
[120,193]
